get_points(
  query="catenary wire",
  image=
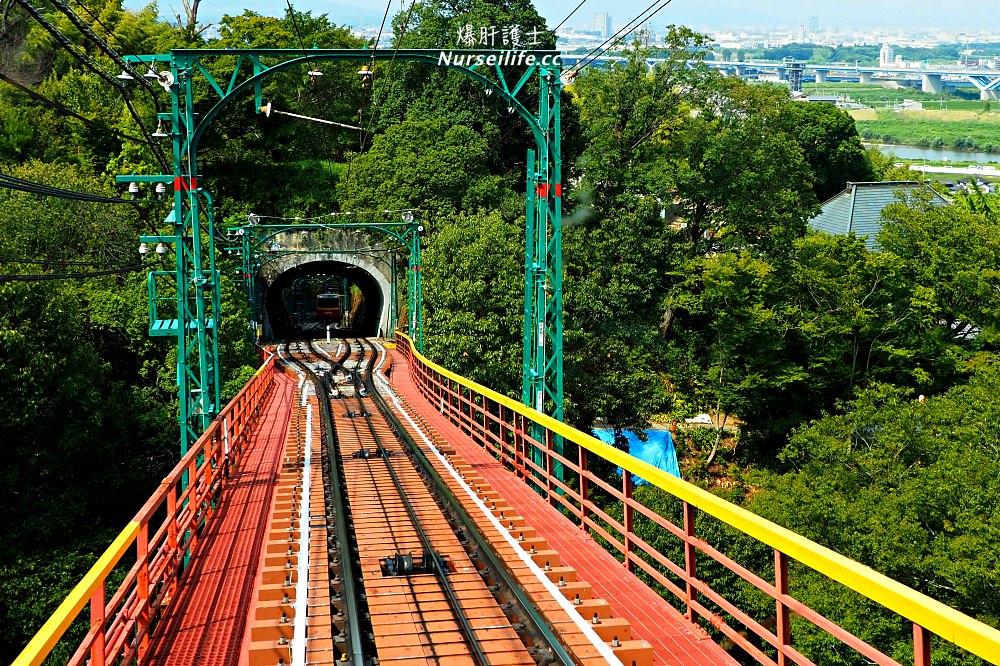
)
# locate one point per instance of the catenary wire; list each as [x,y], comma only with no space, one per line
[375,101]
[361,114]
[94,67]
[372,101]
[38,97]
[355,213]
[614,39]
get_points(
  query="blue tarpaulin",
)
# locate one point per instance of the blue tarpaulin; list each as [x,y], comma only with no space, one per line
[657,450]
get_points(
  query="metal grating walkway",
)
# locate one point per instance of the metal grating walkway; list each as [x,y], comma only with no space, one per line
[205,622]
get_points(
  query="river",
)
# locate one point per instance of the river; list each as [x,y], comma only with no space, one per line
[936,154]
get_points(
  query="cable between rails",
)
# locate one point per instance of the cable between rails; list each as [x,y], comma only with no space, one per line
[365,379]
[495,561]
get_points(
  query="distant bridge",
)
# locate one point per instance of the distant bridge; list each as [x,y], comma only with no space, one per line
[931,79]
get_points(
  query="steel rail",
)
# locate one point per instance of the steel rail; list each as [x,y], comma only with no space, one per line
[534,621]
[351,595]
[359,375]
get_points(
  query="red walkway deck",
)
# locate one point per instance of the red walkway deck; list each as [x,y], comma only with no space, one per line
[652,618]
[207,619]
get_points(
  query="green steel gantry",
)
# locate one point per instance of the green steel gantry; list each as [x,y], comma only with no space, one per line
[194,282]
[254,239]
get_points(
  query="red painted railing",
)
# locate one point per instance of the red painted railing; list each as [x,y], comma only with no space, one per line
[535,446]
[163,533]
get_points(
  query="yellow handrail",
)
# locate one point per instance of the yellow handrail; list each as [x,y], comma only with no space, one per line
[964,631]
[38,648]
[52,631]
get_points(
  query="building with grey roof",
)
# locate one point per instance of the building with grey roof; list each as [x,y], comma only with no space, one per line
[859,207]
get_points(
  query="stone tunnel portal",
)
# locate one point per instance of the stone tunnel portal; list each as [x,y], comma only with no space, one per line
[285,320]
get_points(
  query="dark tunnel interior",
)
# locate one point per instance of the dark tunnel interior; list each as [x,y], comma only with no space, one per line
[284,324]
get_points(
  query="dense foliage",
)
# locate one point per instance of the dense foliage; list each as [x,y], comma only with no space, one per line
[908,487]
[89,421]
[87,424]
[692,284]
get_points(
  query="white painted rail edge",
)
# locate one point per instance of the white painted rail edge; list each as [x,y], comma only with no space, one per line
[564,603]
[301,605]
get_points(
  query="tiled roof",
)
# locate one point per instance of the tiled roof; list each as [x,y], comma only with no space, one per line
[859,208]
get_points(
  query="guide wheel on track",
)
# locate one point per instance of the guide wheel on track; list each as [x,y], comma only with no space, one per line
[406,564]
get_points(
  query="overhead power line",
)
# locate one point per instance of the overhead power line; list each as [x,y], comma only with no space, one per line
[127,45]
[105,48]
[614,39]
[53,262]
[38,97]
[378,37]
[395,51]
[69,46]
[31,187]
[94,67]
[41,277]
[295,24]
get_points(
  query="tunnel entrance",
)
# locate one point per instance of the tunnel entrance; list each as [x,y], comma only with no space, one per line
[304,299]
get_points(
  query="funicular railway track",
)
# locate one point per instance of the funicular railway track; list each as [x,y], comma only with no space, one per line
[418,584]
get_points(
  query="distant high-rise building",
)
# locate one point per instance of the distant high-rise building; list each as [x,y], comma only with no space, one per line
[885,58]
[602,24]
[814,24]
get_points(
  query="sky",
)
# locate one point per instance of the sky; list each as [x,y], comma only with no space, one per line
[699,14]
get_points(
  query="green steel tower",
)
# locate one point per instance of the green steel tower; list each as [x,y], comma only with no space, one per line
[192,288]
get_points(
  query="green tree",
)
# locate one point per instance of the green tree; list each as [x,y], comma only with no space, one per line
[473,294]
[87,424]
[951,255]
[279,165]
[730,341]
[830,143]
[429,164]
[681,171]
[853,307]
[777,343]
[737,184]
[405,91]
[977,201]
[884,167]
[614,280]
[906,487]
[631,116]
